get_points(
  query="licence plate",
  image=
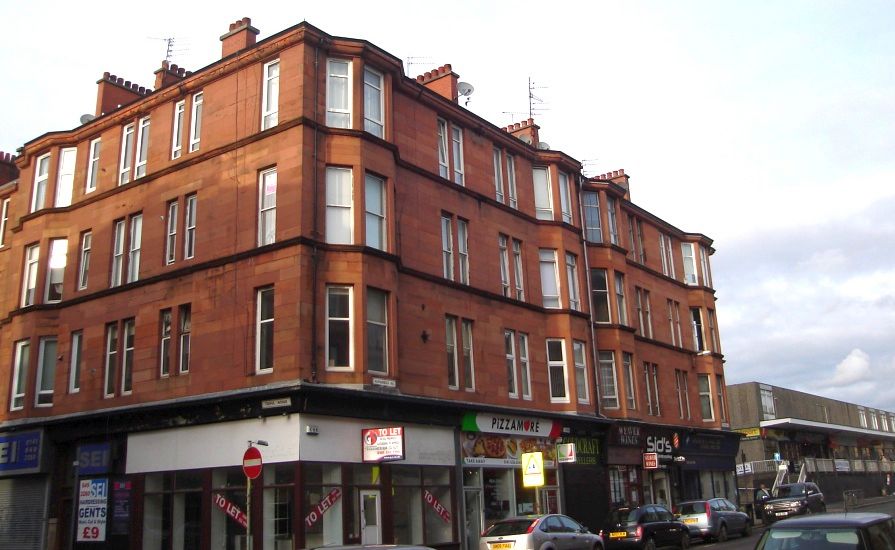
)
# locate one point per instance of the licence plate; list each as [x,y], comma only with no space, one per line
[778,514]
[501,545]
[618,534]
[690,520]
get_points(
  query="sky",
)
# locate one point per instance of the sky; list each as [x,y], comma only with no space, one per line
[768,126]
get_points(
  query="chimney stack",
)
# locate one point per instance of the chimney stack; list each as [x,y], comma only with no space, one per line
[442,81]
[526,130]
[114,92]
[619,178]
[169,74]
[241,35]
[8,170]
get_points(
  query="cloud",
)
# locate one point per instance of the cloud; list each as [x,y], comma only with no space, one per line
[855,368]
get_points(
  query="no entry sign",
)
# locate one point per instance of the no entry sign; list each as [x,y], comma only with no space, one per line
[251,462]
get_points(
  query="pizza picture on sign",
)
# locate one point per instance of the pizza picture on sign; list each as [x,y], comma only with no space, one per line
[494,447]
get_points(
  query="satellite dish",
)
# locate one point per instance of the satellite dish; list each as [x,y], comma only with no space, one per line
[86,118]
[465,88]
[525,138]
[543,145]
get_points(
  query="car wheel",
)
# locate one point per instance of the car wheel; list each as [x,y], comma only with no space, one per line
[685,541]
[650,544]
[722,534]
[747,530]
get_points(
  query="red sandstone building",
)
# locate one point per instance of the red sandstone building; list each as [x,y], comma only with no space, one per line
[299,243]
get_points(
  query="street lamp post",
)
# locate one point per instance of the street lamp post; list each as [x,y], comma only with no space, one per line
[262,443]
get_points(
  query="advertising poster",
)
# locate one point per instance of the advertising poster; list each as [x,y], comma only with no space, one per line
[383,444]
[93,497]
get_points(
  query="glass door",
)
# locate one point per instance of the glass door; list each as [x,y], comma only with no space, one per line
[371,518]
[474,527]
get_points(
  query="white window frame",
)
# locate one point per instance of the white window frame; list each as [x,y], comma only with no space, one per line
[128,330]
[565,198]
[467,351]
[57,259]
[339,116]
[524,366]
[117,271]
[511,181]
[379,324]
[22,358]
[332,290]
[498,176]
[552,365]
[92,165]
[177,129]
[270,95]
[648,315]
[509,348]
[171,232]
[29,275]
[339,205]
[196,121]
[127,154]
[613,219]
[41,182]
[621,305]
[681,389]
[191,203]
[713,331]
[135,244]
[142,149]
[581,382]
[504,259]
[549,274]
[630,388]
[447,247]
[593,225]
[86,245]
[667,251]
[74,361]
[443,163]
[184,337]
[463,249]
[608,380]
[543,192]
[452,352]
[706,394]
[600,295]
[267,212]
[44,385]
[4,219]
[166,330]
[722,412]
[704,265]
[457,154]
[572,280]
[374,95]
[690,276]
[110,357]
[65,177]
[375,207]
[262,325]
[696,324]
[517,270]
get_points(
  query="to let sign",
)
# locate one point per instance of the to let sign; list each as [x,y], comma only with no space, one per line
[383,444]
[325,504]
[251,462]
[232,510]
[650,461]
[437,506]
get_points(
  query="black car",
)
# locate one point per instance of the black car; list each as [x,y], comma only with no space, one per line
[647,527]
[793,499]
[850,531]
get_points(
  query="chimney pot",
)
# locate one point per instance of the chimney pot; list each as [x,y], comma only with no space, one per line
[241,35]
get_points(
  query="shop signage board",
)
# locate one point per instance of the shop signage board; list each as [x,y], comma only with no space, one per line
[383,444]
[252,463]
[94,458]
[533,469]
[478,449]
[650,461]
[20,452]
[93,499]
[511,424]
[565,453]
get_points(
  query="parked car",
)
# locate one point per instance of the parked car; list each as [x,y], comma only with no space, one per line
[645,527]
[793,499]
[539,532]
[713,519]
[850,531]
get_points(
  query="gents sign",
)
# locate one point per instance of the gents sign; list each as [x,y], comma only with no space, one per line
[93,495]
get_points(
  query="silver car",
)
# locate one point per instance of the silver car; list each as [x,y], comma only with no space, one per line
[713,519]
[543,532]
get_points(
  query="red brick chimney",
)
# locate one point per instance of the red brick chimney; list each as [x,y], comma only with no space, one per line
[115,92]
[526,130]
[442,81]
[8,170]
[169,74]
[240,36]
[619,178]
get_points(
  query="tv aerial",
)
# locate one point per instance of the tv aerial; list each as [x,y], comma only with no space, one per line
[465,89]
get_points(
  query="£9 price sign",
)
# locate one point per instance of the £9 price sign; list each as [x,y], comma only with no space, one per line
[93,497]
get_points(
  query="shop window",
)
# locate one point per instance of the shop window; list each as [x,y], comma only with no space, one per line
[525,496]
[323,484]
[228,487]
[172,511]
[279,484]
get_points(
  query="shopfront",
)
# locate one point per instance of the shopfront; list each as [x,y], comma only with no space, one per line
[490,448]
[325,481]
[23,490]
[640,464]
[707,462]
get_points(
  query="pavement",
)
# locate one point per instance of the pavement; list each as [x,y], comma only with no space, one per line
[863,503]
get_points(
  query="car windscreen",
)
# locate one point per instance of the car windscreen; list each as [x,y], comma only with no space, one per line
[512,527]
[686,508]
[783,491]
[622,516]
[808,539]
